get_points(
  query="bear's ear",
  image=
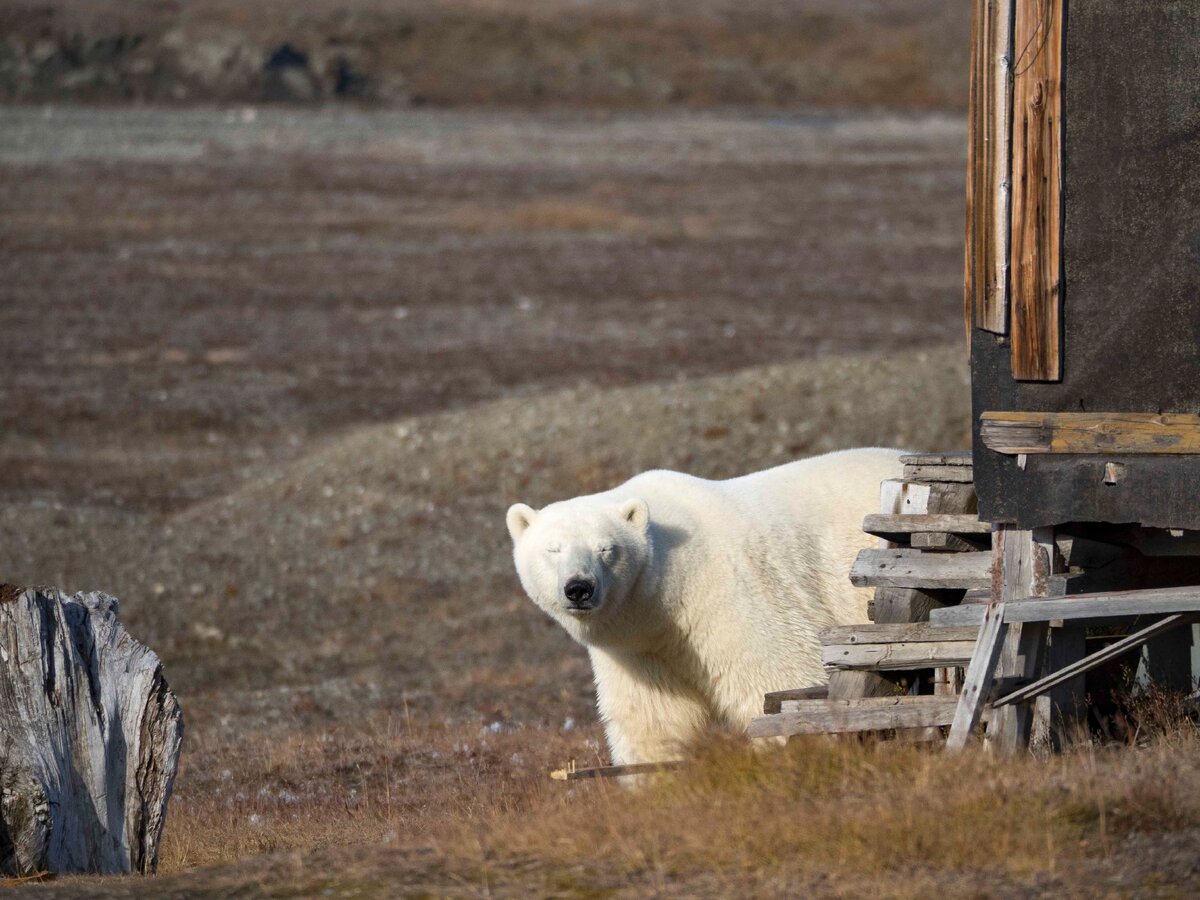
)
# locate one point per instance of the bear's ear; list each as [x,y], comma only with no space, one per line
[636,513]
[519,518]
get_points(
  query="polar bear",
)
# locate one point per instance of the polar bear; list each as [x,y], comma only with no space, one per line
[694,597]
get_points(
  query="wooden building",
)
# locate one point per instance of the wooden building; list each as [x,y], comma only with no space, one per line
[1079,505]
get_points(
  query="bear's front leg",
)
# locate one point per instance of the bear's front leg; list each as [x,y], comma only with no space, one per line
[649,713]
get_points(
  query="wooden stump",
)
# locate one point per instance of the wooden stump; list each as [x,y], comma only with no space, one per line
[89,738]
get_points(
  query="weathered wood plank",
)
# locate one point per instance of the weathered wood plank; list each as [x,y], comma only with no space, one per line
[1035,239]
[1027,560]
[978,678]
[898,605]
[772,701]
[914,569]
[988,194]
[949,458]
[871,633]
[898,656]
[1106,433]
[1111,652]
[961,616]
[871,714]
[947,542]
[1147,602]
[963,474]
[889,526]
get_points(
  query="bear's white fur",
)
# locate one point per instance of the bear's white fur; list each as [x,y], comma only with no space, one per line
[705,595]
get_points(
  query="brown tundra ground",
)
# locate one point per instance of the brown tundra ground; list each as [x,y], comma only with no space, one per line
[272,377]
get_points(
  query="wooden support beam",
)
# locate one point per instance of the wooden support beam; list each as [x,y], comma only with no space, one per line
[1036,233]
[1091,433]
[871,714]
[914,569]
[978,679]
[1111,652]
[774,700]
[1146,602]
[988,189]
[1025,560]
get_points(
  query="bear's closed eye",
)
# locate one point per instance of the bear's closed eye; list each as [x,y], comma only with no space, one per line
[554,548]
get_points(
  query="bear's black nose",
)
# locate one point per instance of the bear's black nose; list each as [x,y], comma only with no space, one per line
[579,591]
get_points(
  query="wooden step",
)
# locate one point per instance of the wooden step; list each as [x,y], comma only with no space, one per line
[902,633]
[899,526]
[961,474]
[773,702]
[914,569]
[842,716]
[955,458]
[896,647]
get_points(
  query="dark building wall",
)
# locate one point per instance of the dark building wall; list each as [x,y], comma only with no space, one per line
[1131,267]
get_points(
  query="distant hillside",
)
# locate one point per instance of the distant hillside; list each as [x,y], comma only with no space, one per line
[908,54]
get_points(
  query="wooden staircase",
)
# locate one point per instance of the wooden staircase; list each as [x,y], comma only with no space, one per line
[961,630]
[899,673]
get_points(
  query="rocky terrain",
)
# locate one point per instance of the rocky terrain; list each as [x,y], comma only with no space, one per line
[602,53]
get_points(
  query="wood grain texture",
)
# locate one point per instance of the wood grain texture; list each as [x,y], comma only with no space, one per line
[988,190]
[888,525]
[1090,433]
[1149,602]
[914,569]
[948,458]
[977,681]
[1027,561]
[773,701]
[938,473]
[89,738]
[1036,236]
[894,634]
[898,656]
[870,714]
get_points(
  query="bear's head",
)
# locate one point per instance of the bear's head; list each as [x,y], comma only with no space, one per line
[579,560]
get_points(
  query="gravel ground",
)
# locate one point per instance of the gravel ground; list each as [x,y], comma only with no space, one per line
[379,566]
[190,297]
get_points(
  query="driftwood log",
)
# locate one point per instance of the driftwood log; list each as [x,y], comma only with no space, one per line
[89,737]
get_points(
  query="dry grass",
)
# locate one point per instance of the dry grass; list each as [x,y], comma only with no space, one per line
[469,806]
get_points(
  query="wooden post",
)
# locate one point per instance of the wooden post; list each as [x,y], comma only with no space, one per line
[1169,660]
[1060,710]
[1025,562]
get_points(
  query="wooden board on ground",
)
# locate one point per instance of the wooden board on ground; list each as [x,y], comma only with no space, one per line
[842,716]
[914,569]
